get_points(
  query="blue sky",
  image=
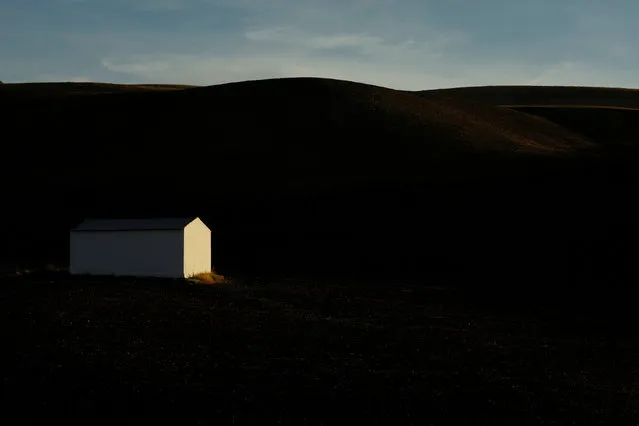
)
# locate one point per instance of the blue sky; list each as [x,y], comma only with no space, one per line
[403,44]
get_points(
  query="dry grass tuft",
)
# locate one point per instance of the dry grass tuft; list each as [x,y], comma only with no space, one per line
[211,277]
[37,269]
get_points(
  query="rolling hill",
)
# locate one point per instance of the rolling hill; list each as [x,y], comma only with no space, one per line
[561,96]
[607,115]
[307,130]
[296,173]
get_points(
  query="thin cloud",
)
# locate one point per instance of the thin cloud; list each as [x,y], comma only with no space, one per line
[292,36]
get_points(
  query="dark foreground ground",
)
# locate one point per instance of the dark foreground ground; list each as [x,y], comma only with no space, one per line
[315,352]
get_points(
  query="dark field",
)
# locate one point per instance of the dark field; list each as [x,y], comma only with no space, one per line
[315,352]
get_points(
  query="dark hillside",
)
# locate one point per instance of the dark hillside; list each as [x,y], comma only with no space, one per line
[286,132]
[313,176]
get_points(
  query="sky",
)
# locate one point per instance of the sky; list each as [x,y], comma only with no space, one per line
[402,44]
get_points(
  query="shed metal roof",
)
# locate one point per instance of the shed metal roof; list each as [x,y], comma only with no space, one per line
[154,224]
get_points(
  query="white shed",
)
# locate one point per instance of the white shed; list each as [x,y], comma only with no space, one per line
[159,247]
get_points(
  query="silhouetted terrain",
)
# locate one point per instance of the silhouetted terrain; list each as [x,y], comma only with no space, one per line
[317,176]
[451,260]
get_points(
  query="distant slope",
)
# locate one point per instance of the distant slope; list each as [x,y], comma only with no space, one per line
[605,115]
[613,128]
[22,90]
[562,96]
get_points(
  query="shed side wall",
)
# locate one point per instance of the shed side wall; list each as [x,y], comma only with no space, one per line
[130,253]
[197,248]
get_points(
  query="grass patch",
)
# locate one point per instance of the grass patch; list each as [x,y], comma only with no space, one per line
[32,269]
[211,277]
